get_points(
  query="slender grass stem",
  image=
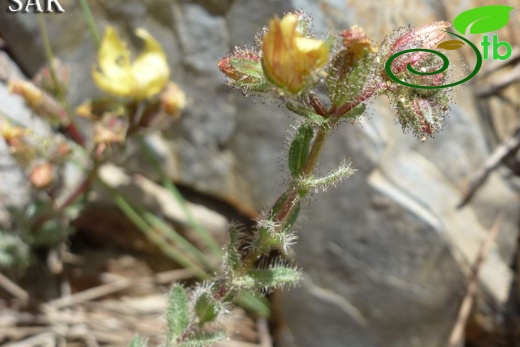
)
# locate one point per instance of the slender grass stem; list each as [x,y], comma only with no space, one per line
[206,237]
[72,128]
[87,15]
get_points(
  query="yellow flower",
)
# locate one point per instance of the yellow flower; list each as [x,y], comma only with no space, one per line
[288,58]
[143,78]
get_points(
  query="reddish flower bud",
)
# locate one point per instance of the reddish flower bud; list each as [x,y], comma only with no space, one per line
[173,100]
[56,84]
[41,175]
[42,103]
[423,115]
[426,37]
[357,42]
[244,69]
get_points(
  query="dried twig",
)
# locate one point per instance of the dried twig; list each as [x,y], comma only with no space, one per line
[471,290]
[496,65]
[13,289]
[505,150]
[263,332]
[118,285]
[501,83]
[47,339]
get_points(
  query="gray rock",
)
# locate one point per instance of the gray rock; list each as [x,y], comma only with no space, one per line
[385,254]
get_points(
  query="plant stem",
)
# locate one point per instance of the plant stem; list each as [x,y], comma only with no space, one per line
[72,128]
[82,188]
[292,195]
[47,49]
[87,14]
[206,237]
[315,151]
[363,96]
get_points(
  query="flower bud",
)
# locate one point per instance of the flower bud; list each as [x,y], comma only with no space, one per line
[173,100]
[11,133]
[357,42]
[350,66]
[15,137]
[244,69]
[425,37]
[288,58]
[54,85]
[111,129]
[43,104]
[422,114]
[41,175]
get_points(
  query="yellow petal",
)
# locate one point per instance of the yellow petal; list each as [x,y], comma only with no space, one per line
[288,58]
[117,75]
[113,56]
[150,70]
[113,75]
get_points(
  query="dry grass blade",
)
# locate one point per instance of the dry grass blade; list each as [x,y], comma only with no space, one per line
[47,339]
[13,289]
[503,82]
[471,290]
[263,332]
[118,285]
[506,149]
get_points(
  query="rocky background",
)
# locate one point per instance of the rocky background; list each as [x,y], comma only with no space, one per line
[386,254]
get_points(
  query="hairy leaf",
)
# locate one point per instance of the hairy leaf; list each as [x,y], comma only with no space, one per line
[204,339]
[205,309]
[299,150]
[272,278]
[137,341]
[177,315]
[305,112]
[355,112]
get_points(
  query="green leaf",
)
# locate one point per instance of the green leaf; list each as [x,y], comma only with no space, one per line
[253,74]
[450,45]
[299,150]
[248,67]
[204,339]
[293,217]
[306,112]
[14,251]
[331,180]
[254,303]
[137,341]
[232,255]
[177,315]
[355,112]
[274,277]
[205,309]
[277,205]
[484,19]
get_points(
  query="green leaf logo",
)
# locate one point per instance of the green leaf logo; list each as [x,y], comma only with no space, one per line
[484,19]
[450,45]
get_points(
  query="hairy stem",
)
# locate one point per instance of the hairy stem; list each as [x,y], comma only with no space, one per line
[81,188]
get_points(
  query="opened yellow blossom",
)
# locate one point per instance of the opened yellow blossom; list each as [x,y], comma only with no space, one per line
[288,58]
[117,75]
